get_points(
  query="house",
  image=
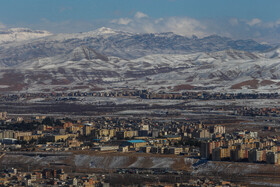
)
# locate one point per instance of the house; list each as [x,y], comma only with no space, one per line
[136,144]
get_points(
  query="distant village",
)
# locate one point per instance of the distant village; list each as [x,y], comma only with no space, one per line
[143,94]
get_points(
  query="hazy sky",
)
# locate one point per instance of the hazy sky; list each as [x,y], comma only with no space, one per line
[258,19]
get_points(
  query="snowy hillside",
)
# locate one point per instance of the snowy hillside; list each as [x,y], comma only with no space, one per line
[20,34]
[107,59]
[85,69]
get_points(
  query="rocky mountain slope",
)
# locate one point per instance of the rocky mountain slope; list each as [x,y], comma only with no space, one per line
[120,44]
[106,59]
[85,69]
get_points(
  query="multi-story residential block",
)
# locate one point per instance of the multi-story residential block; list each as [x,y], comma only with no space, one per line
[255,155]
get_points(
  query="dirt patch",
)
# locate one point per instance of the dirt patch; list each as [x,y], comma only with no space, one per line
[179,164]
[183,87]
[60,82]
[14,81]
[96,89]
[267,82]
[46,90]
[61,89]
[80,87]
[251,84]
[39,77]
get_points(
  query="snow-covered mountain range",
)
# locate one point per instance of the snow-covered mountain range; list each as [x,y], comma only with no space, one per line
[21,34]
[107,59]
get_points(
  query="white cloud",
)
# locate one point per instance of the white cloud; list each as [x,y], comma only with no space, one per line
[140,15]
[148,27]
[157,21]
[2,26]
[234,28]
[254,21]
[277,22]
[122,21]
[233,21]
[262,31]
[272,25]
[185,26]
[182,26]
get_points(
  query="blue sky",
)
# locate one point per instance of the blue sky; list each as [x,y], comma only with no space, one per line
[257,19]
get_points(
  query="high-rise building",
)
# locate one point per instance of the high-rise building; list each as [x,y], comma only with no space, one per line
[86,130]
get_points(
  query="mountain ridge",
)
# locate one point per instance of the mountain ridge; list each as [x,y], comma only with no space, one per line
[121,44]
[106,59]
[228,70]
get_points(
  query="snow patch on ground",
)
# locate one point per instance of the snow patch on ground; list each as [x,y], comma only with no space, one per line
[122,162]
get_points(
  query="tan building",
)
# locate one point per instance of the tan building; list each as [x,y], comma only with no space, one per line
[19,134]
[55,138]
[216,154]
[3,115]
[273,158]
[221,153]
[67,125]
[126,134]
[201,133]
[145,149]
[175,150]
[87,130]
[7,134]
[73,143]
[237,155]
[105,132]
[136,144]
[255,155]
[217,129]
[28,138]
[123,149]
[156,150]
